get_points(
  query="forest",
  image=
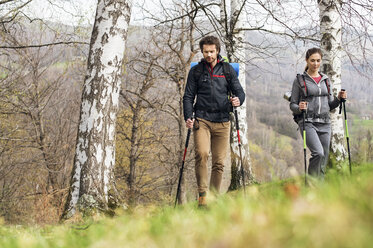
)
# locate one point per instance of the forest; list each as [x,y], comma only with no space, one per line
[77,134]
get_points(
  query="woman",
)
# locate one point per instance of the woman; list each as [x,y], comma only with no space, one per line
[312,93]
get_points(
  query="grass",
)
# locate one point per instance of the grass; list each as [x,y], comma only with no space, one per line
[365,123]
[3,75]
[335,213]
[359,126]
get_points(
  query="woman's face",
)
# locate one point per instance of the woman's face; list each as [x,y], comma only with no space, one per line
[314,62]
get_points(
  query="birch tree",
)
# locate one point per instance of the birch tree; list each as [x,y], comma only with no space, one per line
[235,42]
[92,183]
[331,45]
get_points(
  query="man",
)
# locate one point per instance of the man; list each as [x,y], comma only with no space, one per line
[211,110]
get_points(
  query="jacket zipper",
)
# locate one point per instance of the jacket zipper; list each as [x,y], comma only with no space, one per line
[319,86]
[212,85]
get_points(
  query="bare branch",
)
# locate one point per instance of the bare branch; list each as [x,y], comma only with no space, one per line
[46,45]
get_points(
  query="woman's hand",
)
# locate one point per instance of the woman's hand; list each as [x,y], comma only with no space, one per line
[302,106]
[342,95]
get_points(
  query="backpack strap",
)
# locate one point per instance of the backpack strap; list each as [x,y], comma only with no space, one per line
[327,82]
[228,75]
[226,71]
[198,71]
[302,84]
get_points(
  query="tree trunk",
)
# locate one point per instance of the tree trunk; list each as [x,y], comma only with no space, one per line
[236,53]
[92,182]
[331,39]
[134,152]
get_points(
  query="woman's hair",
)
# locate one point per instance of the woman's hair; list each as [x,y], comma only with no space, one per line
[210,40]
[310,52]
[313,51]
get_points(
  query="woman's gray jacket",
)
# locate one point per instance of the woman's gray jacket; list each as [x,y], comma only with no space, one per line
[319,97]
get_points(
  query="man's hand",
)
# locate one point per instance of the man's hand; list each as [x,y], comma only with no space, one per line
[189,123]
[235,101]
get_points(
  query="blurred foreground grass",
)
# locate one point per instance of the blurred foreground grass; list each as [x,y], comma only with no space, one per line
[335,213]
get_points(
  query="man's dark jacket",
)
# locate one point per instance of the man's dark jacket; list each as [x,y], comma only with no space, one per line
[211,90]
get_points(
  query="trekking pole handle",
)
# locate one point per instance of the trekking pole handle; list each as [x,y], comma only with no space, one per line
[235,114]
[188,135]
[340,103]
[343,99]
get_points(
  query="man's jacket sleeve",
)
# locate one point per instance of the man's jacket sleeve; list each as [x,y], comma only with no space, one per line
[237,89]
[189,95]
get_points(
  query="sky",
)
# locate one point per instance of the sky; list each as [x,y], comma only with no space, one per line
[82,12]
[78,12]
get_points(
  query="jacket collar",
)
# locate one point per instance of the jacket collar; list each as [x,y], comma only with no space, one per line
[323,76]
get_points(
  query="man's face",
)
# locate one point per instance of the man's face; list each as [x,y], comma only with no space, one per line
[210,53]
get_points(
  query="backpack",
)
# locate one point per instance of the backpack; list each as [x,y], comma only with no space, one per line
[302,82]
[226,71]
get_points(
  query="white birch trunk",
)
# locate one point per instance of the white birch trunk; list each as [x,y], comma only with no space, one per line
[92,181]
[237,55]
[331,39]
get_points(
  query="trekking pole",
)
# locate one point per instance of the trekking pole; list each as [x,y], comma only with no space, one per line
[304,147]
[239,146]
[343,101]
[182,165]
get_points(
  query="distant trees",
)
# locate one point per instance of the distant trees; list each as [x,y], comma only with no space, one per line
[179,46]
[175,37]
[10,9]
[139,133]
[14,11]
[37,120]
[357,21]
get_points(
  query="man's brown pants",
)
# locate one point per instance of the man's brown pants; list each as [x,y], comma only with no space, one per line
[214,135]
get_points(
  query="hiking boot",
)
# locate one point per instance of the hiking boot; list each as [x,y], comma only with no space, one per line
[202,199]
